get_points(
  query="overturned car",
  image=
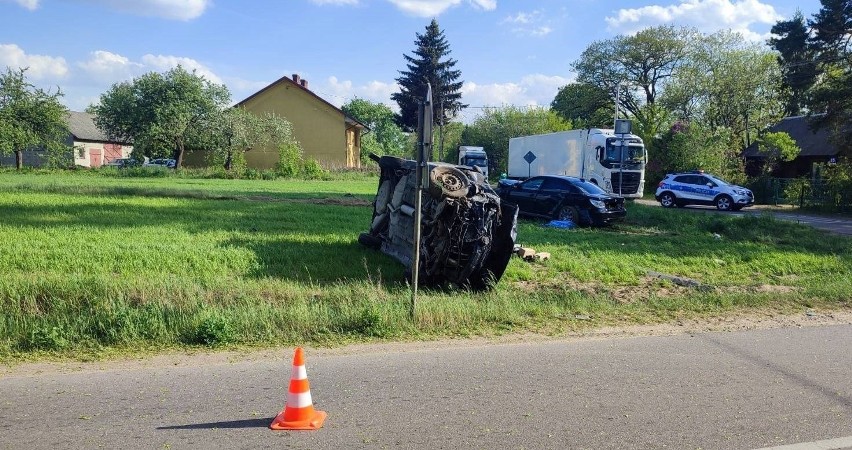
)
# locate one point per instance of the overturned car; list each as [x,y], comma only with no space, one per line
[467,234]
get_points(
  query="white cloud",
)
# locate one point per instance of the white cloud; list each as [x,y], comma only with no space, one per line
[32,5]
[706,15]
[110,67]
[167,9]
[41,67]
[531,90]
[432,8]
[531,23]
[166,62]
[338,92]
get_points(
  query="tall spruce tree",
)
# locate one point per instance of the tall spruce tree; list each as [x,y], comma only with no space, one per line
[796,58]
[431,64]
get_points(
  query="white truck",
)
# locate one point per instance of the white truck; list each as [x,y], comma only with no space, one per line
[615,162]
[474,157]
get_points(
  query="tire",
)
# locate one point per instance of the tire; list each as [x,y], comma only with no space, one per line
[449,181]
[668,200]
[369,241]
[724,203]
[568,212]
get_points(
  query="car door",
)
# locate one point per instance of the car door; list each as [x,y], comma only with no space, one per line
[706,190]
[551,195]
[524,195]
[686,186]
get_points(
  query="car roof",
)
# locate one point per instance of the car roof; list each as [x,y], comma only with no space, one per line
[562,177]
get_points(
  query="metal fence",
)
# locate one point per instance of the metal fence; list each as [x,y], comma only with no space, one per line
[805,193]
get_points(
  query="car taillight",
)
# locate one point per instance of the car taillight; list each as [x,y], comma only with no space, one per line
[660,184]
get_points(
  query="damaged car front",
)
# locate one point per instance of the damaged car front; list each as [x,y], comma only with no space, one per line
[468,234]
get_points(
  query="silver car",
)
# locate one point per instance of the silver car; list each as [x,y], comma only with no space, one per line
[699,188]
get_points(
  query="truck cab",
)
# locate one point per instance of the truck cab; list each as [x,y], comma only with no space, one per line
[474,157]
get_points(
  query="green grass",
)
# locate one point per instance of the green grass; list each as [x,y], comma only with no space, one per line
[94,264]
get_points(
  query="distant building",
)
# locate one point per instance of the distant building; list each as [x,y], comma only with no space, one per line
[325,132]
[816,148]
[91,147]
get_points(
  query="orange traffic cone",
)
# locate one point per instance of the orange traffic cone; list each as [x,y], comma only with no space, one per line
[298,413]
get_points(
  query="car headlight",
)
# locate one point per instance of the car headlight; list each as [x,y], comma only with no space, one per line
[598,204]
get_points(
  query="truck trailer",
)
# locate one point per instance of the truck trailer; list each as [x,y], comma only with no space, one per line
[615,162]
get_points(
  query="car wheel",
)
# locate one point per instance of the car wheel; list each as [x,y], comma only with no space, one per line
[668,200]
[568,212]
[724,203]
[449,181]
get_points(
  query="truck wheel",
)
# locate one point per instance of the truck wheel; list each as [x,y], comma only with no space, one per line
[449,181]
[568,212]
[668,200]
[724,203]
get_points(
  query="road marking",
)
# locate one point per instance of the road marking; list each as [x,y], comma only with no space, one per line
[828,444]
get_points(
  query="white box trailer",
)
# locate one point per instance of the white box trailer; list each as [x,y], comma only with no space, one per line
[615,162]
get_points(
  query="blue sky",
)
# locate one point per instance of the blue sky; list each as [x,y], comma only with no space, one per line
[510,52]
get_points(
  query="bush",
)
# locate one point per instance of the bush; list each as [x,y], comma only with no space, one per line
[45,337]
[213,330]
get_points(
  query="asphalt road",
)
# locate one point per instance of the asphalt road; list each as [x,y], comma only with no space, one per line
[724,390]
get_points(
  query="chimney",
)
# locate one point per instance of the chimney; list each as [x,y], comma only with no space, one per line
[296,78]
[304,83]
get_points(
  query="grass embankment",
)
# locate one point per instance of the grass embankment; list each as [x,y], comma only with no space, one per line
[94,264]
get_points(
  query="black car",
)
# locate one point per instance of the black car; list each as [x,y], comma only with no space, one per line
[563,198]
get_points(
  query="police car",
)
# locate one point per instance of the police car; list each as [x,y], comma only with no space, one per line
[699,188]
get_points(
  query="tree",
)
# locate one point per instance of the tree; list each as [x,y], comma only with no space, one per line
[585,105]
[385,138]
[796,58]
[29,117]
[690,146]
[162,114]
[236,131]
[643,62]
[637,68]
[777,147]
[493,129]
[728,83]
[430,64]
[831,96]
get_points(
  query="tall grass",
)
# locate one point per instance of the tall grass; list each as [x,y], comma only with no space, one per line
[92,263]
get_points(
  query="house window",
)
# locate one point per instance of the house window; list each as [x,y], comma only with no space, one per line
[81,152]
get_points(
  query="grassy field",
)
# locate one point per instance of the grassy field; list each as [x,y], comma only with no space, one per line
[94,264]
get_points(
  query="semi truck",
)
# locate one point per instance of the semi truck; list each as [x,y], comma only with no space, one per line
[474,157]
[615,162]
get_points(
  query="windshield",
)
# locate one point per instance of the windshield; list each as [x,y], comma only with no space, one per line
[633,152]
[589,188]
[481,162]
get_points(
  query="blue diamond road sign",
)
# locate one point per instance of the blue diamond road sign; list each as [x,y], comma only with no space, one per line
[529,157]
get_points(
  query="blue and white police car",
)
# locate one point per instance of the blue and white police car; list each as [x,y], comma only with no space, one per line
[699,188]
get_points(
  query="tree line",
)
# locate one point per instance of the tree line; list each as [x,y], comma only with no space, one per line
[696,99]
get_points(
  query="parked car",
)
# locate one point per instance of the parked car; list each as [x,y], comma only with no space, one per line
[699,188]
[161,162]
[467,233]
[122,163]
[563,198]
